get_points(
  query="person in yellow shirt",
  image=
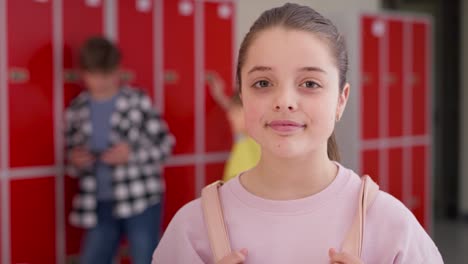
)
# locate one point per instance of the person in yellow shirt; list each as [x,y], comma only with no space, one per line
[245,152]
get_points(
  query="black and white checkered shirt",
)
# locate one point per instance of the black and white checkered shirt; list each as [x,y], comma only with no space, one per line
[137,184]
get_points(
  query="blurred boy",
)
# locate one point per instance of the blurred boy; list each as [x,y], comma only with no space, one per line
[116,143]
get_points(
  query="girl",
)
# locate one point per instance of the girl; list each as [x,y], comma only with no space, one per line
[245,152]
[297,204]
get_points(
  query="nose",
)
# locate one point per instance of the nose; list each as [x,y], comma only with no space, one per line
[286,99]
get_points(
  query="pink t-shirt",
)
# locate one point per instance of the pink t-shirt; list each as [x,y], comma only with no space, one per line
[300,231]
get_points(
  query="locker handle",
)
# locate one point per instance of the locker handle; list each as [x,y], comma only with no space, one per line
[366,78]
[18,75]
[71,76]
[391,78]
[127,76]
[414,79]
[171,77]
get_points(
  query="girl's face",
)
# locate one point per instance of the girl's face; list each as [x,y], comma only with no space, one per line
[290,92]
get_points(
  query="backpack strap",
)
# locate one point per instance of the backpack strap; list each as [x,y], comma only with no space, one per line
[214,221]
[353,241]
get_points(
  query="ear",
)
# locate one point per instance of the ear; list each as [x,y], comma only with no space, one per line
[342,100]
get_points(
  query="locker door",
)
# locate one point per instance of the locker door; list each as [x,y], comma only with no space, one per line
[395,173]
[180,189]
[179,67]
[370,164]
[421,95]
[419,78]
[2,81]
[30,82]
[75,31]
[136,40]
[1,221]
[394,85]
[372,30]
[218,40]
[32,219]
[418,201]
[214,172]
[394,77]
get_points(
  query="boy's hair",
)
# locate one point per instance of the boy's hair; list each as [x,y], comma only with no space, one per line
[98,54]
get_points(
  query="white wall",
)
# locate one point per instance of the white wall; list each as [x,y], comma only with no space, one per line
[249,10]
[463,191]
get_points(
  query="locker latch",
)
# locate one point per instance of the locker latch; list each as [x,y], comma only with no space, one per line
[171,77]
[127,76]
[19,75]
[71,76]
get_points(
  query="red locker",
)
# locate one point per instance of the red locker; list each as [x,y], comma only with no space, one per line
[394,77]
[32,220]
[395,172]
[75,31]
[218,28]
[1,221]
[136,40]
[370,164]
[419,77]
[30,82]
[214,172]
[372,28]
[420,172]
[180,189]
[179,68]
[400,61]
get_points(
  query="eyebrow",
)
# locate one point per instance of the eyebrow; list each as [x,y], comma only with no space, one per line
[305,69]
[312,69]
[260,68]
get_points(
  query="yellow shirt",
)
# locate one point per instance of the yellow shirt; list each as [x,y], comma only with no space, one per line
[245,154]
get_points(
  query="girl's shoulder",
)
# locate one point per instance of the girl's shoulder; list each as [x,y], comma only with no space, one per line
[393,211]
[385,209]
[190,213]
[394,229]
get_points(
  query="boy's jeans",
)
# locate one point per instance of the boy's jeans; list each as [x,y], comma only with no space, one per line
[102,241]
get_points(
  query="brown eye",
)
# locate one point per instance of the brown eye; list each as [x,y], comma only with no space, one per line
[262,84]
[310,84]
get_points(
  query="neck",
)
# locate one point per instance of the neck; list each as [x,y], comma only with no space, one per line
[279,178]
[104,94]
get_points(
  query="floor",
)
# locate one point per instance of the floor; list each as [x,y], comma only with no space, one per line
[452,239]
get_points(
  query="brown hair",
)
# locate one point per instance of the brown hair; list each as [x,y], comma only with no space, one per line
[304,18]
[99,55]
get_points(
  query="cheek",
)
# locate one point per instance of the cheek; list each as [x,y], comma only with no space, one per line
[322,115]
[252,117]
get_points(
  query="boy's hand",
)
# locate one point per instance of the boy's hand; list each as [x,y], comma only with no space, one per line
[342,258]
[237,257]
[118,154]
[81,157]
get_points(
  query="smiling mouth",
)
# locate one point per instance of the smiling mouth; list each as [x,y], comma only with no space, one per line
[285,126]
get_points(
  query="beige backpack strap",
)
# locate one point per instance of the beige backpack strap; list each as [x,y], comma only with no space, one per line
[353,241]
[214,221]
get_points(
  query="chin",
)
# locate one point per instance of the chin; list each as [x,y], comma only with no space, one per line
[289,151]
